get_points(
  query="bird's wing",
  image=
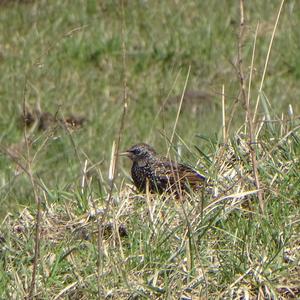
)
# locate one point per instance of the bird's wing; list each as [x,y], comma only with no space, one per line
[174,173]
[191,175]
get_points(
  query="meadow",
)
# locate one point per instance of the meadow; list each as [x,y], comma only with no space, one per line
[215,82]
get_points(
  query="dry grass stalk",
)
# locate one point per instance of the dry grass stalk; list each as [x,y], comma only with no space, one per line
[252,141]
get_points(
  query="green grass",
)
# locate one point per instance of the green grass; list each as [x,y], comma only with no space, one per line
[66,56]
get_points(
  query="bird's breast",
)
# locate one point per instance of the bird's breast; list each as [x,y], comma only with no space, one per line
[139,175]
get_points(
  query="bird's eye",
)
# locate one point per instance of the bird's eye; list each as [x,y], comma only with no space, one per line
[135,151]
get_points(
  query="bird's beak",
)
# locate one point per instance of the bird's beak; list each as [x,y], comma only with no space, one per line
[125,153]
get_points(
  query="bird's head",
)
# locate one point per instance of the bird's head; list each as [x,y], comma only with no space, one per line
[139,152]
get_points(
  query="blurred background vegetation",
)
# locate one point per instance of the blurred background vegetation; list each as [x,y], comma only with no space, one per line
[66,58]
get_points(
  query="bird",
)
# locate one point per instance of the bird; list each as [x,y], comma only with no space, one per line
[158,174]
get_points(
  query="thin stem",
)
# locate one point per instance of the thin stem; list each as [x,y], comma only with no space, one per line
[179,109]
[246,100]
[267,61]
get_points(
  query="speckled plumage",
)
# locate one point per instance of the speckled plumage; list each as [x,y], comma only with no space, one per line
[161,174]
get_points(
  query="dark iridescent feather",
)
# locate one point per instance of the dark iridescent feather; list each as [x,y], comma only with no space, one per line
[159,173]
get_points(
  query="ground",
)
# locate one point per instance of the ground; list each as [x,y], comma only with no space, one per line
[70,229]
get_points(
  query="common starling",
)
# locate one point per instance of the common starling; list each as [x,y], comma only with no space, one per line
[159,173]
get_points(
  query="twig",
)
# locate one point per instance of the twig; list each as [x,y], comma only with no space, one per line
[251,68]
[38,204]
[247,106]
[223,115]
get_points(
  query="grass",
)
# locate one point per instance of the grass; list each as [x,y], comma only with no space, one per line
[66,57]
